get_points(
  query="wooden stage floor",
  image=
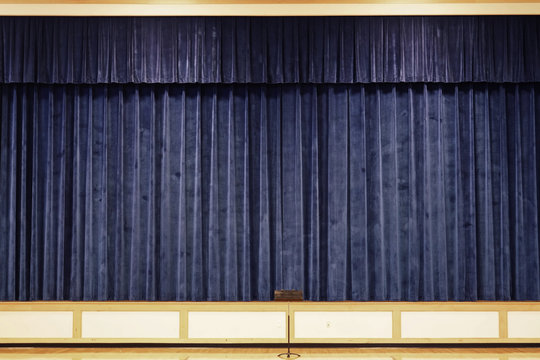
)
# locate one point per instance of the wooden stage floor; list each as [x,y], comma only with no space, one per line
[417,353]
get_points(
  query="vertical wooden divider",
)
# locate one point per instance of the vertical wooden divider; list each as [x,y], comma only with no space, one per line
[183,325]
[77,323]
[396,324]
[288,330]
[503,324]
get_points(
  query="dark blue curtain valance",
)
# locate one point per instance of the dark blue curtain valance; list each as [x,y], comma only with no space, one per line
[270,50]
[227,192]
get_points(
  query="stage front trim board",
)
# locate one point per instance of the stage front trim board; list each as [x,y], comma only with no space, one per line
[269,353]
[269,322]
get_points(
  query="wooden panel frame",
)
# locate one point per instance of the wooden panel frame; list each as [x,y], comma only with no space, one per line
[183,308]
[266,7]
[397,307]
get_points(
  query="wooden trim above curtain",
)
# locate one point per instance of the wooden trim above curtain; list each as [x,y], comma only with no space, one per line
[267,8]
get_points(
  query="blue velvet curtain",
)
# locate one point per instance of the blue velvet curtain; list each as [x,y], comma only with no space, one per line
[227,192]
[270,50]
[355,158]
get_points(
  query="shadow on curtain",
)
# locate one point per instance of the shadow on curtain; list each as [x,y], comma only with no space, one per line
[227,192]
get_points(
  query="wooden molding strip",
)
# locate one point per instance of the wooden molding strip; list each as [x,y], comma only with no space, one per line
[269,9]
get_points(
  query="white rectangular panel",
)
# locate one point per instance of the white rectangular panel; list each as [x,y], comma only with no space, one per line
[131,324]
[342,324]
[237,325]
[524,324]
[449,324]
[36,324]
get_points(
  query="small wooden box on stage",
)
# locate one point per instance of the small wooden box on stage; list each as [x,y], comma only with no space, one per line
[288,295]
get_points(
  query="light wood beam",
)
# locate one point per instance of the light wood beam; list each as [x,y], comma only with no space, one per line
[266,7]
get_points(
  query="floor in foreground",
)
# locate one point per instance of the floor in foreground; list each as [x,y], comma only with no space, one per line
[419,353]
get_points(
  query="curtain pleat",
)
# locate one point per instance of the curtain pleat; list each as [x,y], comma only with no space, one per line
[205,192]
[269,50]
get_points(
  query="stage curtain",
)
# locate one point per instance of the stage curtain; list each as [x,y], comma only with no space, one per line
[227,192]
[269,50]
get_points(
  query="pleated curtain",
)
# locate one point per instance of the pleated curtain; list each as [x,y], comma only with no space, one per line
[162,181]
[270,49]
